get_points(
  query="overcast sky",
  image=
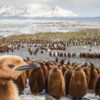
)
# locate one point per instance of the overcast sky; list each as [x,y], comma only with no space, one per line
[80,7]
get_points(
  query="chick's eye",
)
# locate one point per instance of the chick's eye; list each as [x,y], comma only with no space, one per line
[10,65]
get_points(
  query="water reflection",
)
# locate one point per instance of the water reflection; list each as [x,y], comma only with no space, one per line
[23,52]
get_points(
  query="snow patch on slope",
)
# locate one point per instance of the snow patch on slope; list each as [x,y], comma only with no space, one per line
[35,10]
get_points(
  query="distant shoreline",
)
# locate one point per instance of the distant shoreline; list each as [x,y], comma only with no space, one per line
[20,25]
[80,35]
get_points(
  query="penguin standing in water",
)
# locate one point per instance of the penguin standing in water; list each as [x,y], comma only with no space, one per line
[10,68]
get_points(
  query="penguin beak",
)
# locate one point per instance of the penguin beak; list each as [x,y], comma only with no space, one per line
[27,67]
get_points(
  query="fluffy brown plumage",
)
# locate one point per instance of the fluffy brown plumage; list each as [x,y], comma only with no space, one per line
[56,84]
[97,86]
[87,73]
[8,64]
[93,76]
[78,84]
[21,82]
[67,76]
[37,81]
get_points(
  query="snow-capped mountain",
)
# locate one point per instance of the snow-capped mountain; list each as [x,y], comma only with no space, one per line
[35,10]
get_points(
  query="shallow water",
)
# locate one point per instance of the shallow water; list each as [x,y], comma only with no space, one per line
[12,26]
[23,52]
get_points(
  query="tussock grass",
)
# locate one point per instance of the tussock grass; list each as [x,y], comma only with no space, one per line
[82,34]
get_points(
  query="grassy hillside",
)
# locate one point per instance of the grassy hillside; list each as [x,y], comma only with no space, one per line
[83,34]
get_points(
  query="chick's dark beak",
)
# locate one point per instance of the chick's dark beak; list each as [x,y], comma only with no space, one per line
[27,67]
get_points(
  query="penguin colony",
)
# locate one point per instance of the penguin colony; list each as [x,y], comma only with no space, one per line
[59,79]
[56,78]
